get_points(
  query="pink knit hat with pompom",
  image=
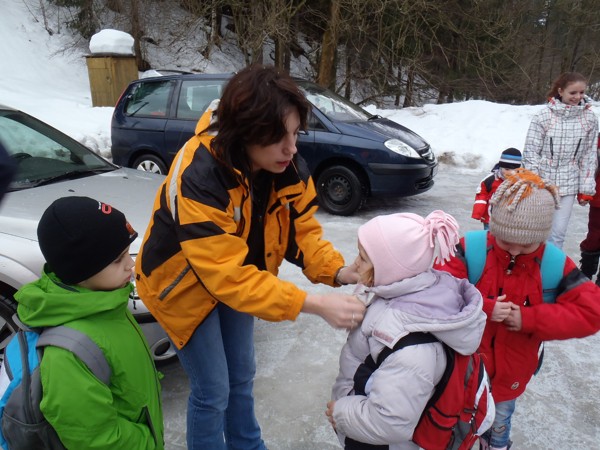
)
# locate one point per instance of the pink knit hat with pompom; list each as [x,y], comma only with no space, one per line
[404,245]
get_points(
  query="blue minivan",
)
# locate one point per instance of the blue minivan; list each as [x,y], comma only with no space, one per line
[351,153]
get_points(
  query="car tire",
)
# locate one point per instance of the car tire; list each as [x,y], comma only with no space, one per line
[340,190]
[150,163]
[8,307]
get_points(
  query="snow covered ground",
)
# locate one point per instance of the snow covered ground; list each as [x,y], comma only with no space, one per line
[297,361]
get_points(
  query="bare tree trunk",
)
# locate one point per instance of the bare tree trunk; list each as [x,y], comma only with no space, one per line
[280,53]
[137,32]
[326,76]
[215,29]
[115,5]
[348,88]
[410,82]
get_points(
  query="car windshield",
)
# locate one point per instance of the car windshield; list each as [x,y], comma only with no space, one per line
[44,154]
[334,106]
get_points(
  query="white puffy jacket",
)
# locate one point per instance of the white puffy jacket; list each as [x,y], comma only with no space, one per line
[399,389]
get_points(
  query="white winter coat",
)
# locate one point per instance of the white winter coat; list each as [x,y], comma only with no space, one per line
[399,389]
[561,147]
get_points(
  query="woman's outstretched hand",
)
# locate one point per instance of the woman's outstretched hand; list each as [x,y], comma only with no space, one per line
[338,310]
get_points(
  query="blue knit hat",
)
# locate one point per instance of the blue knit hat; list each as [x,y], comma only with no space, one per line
[510,159]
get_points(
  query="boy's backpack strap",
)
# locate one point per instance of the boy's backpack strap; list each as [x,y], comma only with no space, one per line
[552,269]
[475,253]
[81,346]
[489,180]
[19,324]
[551,266]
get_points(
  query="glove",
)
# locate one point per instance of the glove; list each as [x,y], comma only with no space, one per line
[584,199]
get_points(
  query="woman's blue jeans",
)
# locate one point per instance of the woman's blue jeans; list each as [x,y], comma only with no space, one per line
[219,362]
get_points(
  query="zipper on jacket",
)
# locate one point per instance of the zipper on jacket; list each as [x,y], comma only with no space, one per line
[551,148]
[242,222]
[577,149]
[280,227]
[511,265]
[175,282]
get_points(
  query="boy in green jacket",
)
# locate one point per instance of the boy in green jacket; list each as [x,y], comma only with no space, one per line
[85,285]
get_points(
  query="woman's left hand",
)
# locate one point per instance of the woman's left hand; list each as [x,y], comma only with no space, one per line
[338,310]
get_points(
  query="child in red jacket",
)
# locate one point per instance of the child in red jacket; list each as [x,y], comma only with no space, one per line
[510,159]
[590,246]
[511,285]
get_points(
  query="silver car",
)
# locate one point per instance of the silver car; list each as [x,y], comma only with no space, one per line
[51,165]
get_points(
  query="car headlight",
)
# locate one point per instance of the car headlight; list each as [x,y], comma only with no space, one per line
[401,148]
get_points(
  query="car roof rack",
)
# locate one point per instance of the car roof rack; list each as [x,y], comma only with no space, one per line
[183,72]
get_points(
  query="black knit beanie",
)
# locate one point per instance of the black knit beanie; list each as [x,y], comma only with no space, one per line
[80,236]
[510,158]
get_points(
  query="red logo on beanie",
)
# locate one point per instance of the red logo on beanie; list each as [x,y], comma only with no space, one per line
[106,209]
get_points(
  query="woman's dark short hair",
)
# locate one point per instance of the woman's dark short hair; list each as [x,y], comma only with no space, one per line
[563,81]
[252,110]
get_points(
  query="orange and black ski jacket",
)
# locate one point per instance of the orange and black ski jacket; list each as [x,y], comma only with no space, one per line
[194,249]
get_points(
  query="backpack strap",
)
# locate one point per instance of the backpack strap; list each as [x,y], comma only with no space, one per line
[21,325]
[81,346]
[489,180]
[365,369]
[551,269]
[475,253]
[551,266]
[420,337]
[415,338]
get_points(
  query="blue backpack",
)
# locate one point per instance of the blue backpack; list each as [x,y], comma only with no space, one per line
[23,426]
[551,267]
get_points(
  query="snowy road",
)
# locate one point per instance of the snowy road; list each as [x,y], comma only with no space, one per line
[297,361]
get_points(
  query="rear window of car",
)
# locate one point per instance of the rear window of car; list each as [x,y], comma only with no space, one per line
[150,99]
[196,95]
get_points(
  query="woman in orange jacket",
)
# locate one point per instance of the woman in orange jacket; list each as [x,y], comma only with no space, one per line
[237,201]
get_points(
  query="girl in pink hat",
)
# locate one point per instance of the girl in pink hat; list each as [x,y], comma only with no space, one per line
[404,295]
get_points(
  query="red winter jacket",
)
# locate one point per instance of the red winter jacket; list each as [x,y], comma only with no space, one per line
[487,187]
[595,203]
[511,358]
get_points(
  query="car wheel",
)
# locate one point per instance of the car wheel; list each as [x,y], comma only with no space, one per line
[150,163]
[340,190]
[8,307]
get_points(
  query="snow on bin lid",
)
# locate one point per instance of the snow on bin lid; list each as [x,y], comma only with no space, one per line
[113,42]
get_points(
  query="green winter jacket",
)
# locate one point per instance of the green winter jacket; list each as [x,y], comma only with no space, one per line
[86,413]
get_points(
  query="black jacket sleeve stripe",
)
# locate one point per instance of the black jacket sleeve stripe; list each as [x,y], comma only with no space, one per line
[198,230]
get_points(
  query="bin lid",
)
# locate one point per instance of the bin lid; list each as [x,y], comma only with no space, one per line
[113,42]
